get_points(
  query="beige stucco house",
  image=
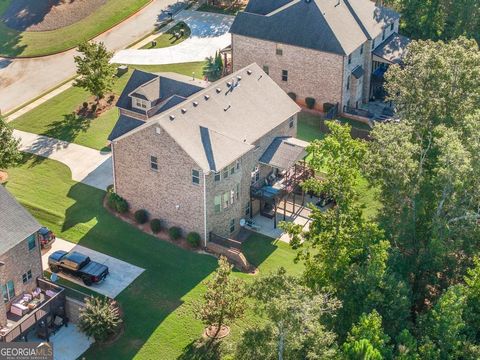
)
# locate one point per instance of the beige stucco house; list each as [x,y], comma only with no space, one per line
[194,164]
[324,49]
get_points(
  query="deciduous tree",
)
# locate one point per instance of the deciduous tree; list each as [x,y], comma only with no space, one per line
[9,153]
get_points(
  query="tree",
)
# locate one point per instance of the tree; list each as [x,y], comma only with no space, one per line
[95,73]
[406,348]
[426,166]
[368,328]
[224,300]
[99,318]
[213,69]
[9,153]
[343,252]
[295,314]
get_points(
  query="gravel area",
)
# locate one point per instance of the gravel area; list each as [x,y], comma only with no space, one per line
[44,15]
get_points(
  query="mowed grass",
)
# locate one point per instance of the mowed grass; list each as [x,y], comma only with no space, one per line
[169,39]
[31,43]
[159,306]
[56,118]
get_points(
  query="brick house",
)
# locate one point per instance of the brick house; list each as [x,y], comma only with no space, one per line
[20,258]
[193,165]
[324,49]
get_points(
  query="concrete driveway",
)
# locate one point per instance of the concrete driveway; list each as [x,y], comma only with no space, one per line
[121,274]
[209,33]
[87,165]
[24,79]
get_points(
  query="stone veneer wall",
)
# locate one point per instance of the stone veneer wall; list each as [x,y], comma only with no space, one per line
[16,262]
[311,73]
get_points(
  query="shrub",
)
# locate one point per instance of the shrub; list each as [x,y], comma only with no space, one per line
[327,106]
[99,318]
[175,233]
[310,102]
[116,202]
[110,188]
[141,216]
[293,96]
[156,225]
[193,239]
[85,104]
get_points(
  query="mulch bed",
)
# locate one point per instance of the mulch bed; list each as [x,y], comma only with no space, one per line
[45,15]
[3,176]
[212,329]
[90,108]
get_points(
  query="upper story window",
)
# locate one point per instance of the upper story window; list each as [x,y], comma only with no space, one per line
[8,291]
[140,103]
[383,34]
[391,26]
[266,69]
[255,174]
[218,203]
[32,241]
[361,49]
[225,173]
[373,44]
[284,75]
[350,59]
[348,82]
[217,176]
[153,163]
[279,50]
[232,225]
[237,164]
[232,170]
[195,177]
[291,122]
[27,276]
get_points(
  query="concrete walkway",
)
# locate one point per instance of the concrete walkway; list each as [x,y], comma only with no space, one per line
[209,33]
[121,274]
[87,165]
[24,79]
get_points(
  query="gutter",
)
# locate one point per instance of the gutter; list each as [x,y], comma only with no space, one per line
[205,208]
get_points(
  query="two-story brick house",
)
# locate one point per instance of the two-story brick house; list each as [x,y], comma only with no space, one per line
[193,164]
[20,258]
[324,49]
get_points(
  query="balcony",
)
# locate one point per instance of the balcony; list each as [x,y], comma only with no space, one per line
[48,301]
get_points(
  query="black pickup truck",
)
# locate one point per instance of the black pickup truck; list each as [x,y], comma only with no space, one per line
[78,265]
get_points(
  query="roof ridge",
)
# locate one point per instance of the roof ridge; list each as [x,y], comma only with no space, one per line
[357,19]
[281,8]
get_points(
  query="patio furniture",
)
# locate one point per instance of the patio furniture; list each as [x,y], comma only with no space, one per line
[19,309]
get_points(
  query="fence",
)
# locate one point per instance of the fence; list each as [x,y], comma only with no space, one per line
[225,242]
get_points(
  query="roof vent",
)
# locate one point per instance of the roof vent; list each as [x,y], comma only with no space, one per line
[172,117]
[207,97]
[228,107]
[239,77]
[260,77]
[249,72]
[229,83]
[195,103]
[308,1]
[184,110]
[218,90]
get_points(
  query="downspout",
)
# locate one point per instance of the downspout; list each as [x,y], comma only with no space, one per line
[113,167]
[205,208]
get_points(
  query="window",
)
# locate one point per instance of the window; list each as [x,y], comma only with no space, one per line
[279,50]
[291,123]
[348,82]
[266,69]
[232,197]
[350,58]
[32,241]
[27,276]
[361,49]
[196,177]
[8,291]
[373,44]
[232,225]
[217,176]
[225,173]
[154,163]
[237,164]
[391,26]
[237,192]
[218,204]
[247,209]
[284,75]
[141,103]
[383,34]
[226,197]
[232,170]
[255,174]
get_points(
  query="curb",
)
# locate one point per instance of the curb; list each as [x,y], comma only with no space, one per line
[73,47]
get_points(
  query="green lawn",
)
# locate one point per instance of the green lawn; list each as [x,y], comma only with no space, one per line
[55,117]
[169,39]
[31,43]
[159,306]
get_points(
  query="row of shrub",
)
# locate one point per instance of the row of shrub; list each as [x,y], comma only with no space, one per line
[309,101]
[116,202]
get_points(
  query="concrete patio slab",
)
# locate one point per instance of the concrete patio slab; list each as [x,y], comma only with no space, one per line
[68,343]
[87,165]
[121,274]
[209,33]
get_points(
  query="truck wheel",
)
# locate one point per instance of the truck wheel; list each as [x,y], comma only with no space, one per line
[54,268]
[87,281]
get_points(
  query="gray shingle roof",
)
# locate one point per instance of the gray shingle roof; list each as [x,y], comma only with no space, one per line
[393,49]
[123,125]
[219,127]
[16,223]
[284,152]
[317,24]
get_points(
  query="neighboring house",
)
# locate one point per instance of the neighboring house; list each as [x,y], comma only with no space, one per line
[324,49]
[194,164]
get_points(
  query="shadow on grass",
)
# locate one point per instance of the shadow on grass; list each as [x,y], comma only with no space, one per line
[10,42]
[170,274]
[68,128]
[200,350]
[257,248]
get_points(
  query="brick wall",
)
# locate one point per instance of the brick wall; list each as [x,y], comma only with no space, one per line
[16,262]
[310,73]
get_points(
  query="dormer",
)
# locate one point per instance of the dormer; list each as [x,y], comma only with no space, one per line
[146,95]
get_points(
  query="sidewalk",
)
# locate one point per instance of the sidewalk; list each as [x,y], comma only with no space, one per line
[87,165]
